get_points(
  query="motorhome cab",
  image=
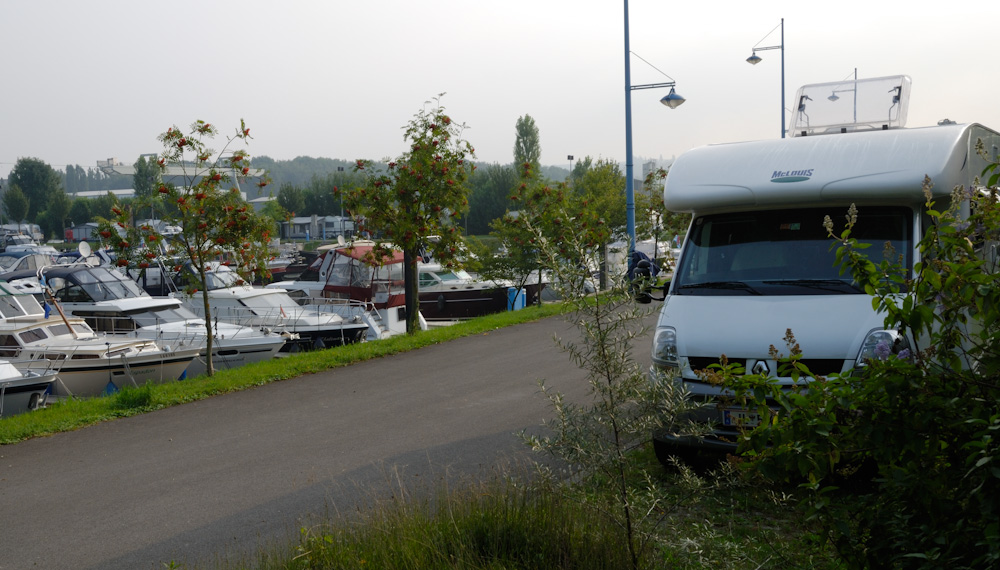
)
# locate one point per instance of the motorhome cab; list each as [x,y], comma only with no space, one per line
[757,260]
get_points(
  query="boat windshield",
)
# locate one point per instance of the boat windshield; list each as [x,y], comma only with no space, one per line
[275,302]
[94,284]
[444,276]
[222,279]
[7,262]
[154,317]
[784,252]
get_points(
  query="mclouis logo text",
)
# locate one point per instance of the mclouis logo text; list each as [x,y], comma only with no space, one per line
[791,175]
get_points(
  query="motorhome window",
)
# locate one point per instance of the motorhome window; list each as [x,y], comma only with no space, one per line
[783,252]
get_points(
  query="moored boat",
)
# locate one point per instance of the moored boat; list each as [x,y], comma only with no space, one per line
[89,364]
[112,303]
[23,390]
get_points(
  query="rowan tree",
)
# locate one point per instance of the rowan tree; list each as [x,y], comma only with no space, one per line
[217,224]
[415,201]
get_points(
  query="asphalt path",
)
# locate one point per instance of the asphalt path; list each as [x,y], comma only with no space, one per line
[219,478]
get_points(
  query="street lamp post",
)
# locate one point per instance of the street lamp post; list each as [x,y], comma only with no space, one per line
[672,100]
[754,59]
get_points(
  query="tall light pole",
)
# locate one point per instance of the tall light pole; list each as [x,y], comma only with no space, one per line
[754,59]
[672,100]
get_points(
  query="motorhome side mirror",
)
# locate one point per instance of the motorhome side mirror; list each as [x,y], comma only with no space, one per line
[642,277]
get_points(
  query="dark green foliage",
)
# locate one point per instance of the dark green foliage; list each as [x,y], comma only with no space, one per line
[527,144]
[602,188]
[38,181]
[488,201]
[292,199]
[15,203]
[146,178]
[80,212]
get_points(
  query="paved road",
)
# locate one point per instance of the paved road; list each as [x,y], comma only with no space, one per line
[217,478]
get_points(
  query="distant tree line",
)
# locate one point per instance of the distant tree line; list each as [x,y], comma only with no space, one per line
[77,179]
[304,186]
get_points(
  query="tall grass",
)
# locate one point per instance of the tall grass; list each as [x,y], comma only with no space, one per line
[504,523]
[490,525]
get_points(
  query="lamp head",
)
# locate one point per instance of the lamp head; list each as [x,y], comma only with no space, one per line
[833,97]
[672,99]
[754,59]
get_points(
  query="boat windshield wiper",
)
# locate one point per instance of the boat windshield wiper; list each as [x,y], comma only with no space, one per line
[733,285]
[828,284]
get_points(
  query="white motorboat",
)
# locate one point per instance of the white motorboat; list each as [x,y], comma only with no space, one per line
[234,301]
[112,303]
[89,364]
[23,390]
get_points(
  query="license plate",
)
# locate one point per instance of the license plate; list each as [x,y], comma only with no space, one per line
[740,417]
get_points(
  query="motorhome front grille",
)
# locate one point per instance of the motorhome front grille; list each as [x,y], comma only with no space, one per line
[819,366]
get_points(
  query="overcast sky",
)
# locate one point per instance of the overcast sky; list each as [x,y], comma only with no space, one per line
[90,80]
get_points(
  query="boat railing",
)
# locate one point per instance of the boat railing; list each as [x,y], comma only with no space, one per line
[39,366]
[273,318]
[121,326]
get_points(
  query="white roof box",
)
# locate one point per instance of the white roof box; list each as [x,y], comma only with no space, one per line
[874,104]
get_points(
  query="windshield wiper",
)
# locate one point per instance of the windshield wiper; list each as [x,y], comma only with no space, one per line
[828,284]
[733,285]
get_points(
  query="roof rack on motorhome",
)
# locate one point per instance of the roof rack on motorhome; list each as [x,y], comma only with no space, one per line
[874,104]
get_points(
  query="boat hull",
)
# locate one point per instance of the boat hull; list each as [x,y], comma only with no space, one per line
[320,338]
[226,356]
[450,304]
[85,378]
[24,394]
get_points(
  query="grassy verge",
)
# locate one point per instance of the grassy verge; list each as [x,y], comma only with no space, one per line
[74,413]
[708,520]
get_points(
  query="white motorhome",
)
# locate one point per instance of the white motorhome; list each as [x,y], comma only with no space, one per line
[757,260]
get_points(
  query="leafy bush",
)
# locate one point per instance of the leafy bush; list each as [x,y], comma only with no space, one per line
[594,439]
[902,455]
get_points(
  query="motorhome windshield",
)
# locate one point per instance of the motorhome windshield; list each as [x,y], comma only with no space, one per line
[783,252]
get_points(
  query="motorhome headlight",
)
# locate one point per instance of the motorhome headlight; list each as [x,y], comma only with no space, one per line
[880,344]
[665,347]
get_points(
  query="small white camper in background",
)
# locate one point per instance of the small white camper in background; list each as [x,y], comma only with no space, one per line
[757,260]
